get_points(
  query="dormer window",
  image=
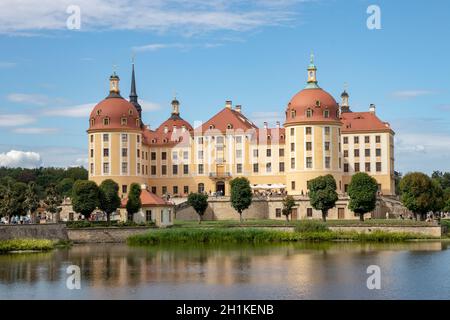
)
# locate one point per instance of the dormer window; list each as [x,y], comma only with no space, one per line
[293,114]
[318,103]
[153,140]
[282,137]
[309,113]
[92,122]
[99,112]
[337,113]
[326,113]
[165,140]
[106,121]
[138,122]
[123,121]
[130,112]
[211,127]
[229,126]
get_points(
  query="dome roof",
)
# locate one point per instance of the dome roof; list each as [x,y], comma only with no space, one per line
[312,105]
[114,113]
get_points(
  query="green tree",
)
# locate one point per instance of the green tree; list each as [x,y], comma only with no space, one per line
[322,194]
[53,201]
[241,195]
[418,193]
[362,191]
[65,186]
[288,204]
[8,201]
[85,197]
[31,203]
[199,202]
[109,197]
[134,199]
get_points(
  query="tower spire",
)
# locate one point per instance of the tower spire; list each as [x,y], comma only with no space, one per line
[133,92]
[312,74]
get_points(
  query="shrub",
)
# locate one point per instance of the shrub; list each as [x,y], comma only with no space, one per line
[311,226]
[26,244]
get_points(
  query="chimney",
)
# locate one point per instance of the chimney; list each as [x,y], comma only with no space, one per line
[238,108]
[372,108]
[278,124]
[265,125]
[228,104]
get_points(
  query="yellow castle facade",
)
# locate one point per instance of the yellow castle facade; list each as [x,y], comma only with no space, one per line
[318,137]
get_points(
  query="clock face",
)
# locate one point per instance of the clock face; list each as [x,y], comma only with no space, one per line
[311,74]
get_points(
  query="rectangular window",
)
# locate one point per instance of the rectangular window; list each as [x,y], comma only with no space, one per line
[292,163]
[308,146]
[239,168]
[367,139]
[378,152]
[239,154]
[185,169]
[92,153]
[124,152]
[164,155]
[327,162]
[138,139]
[105,137]
[255,167]
[355,140]
[367,166]
[345,140]
[367,152]
[356,152]
[175,189]
[327,131]
[106,167]
[345,153]
[200,169]
[309,162]
[268,152]
[175,169]
[268,167]
[106,152]
[356,166]
[278,212]
[124,138]
[186,189]
[292,147]
[308,130]
[138,167]
[309,212]
[138,153]
[200,154]
[292,131]
[281,152]
[327,146]
[255,153]
[219,140]
[174,156]
[345,167]
[124,188]
[377,139]
[153,170]
[293,185]
[164,190]
[154,190]
[163,169]
[153,156]
[148,215]
[200,140]
[185,155]
[92,138]
[92,168]
[124,167]
[239,139]
[378,165]
[281,165]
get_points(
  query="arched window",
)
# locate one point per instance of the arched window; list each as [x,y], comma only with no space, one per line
[211,127]
[229,126]
[309,113]
[130,112]
[201,187]
[123,121]
[99,111]
[92,122]
[138,122]
[106,121]
[292,114]
[318,103]
[326,113]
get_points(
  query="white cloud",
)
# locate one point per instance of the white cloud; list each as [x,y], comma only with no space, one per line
[410,94]
[188,16]
[83,162]
[149,106]
[77,111]
[35,130]
[13,120]
[6,64]
[34,99]
[156,46]
[14,158]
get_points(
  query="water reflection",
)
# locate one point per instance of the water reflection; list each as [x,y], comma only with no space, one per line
[294,271]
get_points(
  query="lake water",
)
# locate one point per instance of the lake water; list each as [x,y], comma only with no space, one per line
[291,271]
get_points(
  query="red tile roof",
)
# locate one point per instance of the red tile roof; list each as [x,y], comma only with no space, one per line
[228,119]
[148,199]
[362,121]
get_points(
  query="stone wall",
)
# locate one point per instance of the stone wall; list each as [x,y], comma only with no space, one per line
[426,231]
[105,235]
[35,231]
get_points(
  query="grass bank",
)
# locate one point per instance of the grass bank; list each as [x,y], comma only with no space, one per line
[260,236]
[27,245]
[102,224]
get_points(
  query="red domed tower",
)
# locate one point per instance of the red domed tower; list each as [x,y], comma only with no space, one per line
[115,139]
[313,130]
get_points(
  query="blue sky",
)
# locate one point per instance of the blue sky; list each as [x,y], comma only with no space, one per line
[251,52]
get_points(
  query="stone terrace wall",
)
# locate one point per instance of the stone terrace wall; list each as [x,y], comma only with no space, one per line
[105,235]
[35,231]
[426,231]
